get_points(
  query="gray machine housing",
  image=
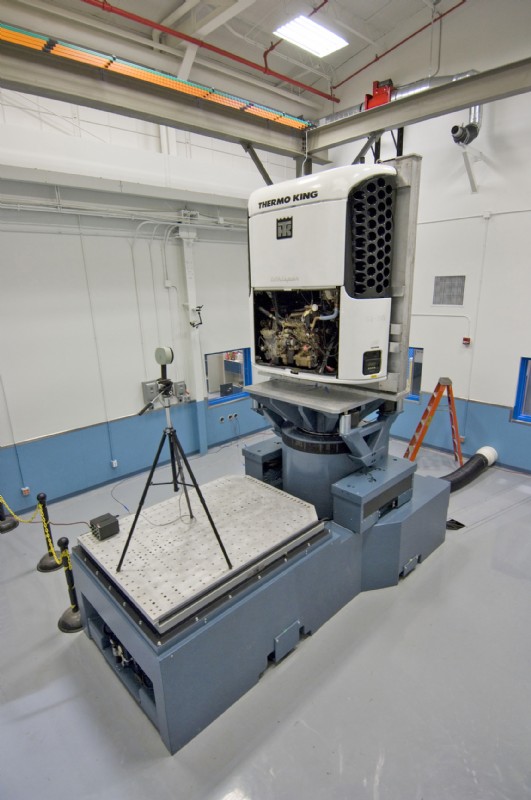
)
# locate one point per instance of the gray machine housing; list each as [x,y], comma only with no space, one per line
[375,521]
[185,678]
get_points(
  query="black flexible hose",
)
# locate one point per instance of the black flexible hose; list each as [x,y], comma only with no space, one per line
[467,473]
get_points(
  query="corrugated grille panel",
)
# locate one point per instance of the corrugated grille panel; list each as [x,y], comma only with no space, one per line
[371,208]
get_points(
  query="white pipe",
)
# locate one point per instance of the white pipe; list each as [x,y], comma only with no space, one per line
[490,454]
[334,315]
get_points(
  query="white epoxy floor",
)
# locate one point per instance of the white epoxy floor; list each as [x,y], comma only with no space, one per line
[417,692]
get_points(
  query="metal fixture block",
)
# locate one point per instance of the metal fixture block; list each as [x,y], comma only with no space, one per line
[360,499]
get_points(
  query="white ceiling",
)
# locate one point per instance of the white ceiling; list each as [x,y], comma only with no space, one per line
[242,27]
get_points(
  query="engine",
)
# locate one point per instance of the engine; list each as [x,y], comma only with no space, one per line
[298,329]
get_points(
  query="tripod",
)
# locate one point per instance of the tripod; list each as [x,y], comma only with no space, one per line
[177,458]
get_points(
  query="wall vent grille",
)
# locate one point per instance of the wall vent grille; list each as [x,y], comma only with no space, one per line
[449,290]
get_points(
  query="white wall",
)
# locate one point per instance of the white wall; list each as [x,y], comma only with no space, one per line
[85,302]
[223,289]
[482,235]
[88,299]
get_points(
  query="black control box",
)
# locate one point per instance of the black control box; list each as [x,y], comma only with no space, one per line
[104,527]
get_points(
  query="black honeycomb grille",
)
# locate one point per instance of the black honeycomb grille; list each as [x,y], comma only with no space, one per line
[370,210]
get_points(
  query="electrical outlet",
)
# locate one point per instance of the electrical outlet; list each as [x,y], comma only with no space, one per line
[179,389]
[25,491]
[150,390]
[114,463]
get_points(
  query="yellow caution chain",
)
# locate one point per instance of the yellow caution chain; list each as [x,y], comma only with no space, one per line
[19,519]
[47,534]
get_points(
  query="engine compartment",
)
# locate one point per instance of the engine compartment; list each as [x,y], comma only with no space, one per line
[297,328]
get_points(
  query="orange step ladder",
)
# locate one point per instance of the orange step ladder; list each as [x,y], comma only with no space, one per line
[427,417]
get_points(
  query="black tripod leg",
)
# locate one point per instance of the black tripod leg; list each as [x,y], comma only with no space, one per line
[175,455]
[202,499]
[174,473]
[142,500]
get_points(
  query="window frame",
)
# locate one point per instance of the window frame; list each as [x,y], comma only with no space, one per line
[522,387]
[247,376]
[411,360]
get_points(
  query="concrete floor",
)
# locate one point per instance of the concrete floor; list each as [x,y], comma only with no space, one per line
[417,692]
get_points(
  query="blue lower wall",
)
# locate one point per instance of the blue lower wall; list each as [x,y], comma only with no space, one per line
[245,421]
[78,460]
[480,424]
[75,461]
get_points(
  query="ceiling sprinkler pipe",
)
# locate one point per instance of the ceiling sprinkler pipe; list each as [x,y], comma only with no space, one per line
[103,5]
[399,44]
[485,457]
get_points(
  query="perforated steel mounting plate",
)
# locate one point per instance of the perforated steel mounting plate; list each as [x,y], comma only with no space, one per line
[171,559]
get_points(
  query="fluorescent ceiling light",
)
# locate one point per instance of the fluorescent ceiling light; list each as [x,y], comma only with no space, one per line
[311,36]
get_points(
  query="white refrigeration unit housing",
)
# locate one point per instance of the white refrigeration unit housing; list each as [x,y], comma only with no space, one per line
[321,255]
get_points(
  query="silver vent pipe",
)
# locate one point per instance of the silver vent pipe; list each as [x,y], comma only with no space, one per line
[428,83]
[462,134]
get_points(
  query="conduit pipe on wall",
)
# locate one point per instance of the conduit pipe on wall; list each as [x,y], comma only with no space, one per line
[264,69]
[485,457]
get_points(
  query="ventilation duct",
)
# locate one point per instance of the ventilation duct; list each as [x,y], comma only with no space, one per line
[485,457]
[462,134]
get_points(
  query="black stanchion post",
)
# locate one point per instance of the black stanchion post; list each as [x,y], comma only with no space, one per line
[70,620]
[52,560]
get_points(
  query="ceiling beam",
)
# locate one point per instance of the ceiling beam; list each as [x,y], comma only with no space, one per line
[99,186]
[214,21]
[219,17]
[73,83]
[485,87]
[179,12]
